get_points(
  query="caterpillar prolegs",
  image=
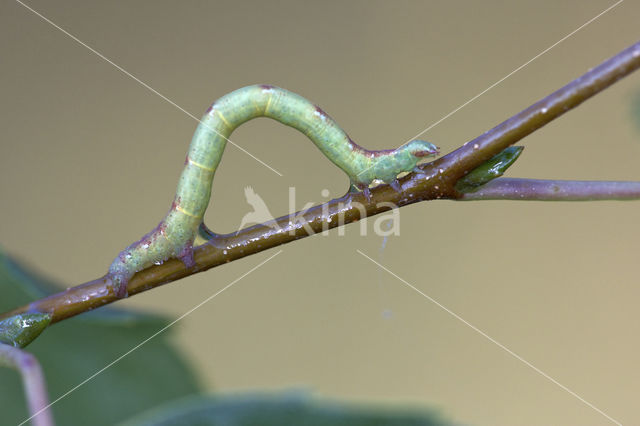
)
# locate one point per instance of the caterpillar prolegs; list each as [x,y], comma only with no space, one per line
[174,235]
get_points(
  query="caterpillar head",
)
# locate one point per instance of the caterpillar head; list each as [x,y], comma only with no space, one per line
[420,149]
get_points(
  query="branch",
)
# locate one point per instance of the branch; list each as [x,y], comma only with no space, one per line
[35,388]
[437,180]
[554,190]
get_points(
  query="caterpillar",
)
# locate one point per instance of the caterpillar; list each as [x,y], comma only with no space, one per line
[175,234]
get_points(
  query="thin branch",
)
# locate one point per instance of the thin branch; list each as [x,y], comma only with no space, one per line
[35,387]
[554,190]
[436,181]
[490,143]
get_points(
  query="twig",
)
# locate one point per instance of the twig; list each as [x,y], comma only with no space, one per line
[554,190]
[436,181]
[35,388]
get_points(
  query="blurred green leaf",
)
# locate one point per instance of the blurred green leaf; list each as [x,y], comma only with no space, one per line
[277,410]
[19,285]
[74,350]
[489,170]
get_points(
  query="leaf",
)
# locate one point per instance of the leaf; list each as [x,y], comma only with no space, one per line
[489,170]
[277,410]
[75,349]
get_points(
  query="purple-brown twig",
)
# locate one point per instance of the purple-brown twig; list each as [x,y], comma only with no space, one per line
[35,388]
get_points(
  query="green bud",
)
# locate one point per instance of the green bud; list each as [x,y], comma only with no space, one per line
[489,170]
[20,330]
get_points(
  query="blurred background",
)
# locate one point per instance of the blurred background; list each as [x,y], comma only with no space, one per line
[90,159]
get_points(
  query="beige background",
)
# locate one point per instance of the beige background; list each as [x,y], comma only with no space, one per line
[89,161]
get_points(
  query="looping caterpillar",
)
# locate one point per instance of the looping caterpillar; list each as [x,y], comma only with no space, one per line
[174,235]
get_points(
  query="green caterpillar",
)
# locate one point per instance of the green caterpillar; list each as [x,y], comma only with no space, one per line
[174,235]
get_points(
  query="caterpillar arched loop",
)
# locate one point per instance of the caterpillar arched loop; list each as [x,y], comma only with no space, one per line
[174,235]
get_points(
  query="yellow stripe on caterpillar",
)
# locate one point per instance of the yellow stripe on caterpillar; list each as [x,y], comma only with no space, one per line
[200,166]
[188,213]
[224,120]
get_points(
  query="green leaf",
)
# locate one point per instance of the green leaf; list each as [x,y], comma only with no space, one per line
[72,351]
[277,410]
[18,285]
[489,170]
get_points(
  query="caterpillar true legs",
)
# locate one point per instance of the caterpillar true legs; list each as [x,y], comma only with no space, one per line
[174,235]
